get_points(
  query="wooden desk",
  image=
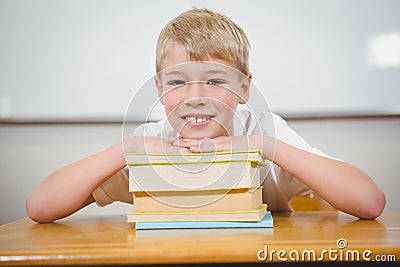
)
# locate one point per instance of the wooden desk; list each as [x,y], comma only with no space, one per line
[110,240]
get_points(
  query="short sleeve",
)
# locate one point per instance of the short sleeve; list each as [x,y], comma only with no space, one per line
[116,188]
[281,186]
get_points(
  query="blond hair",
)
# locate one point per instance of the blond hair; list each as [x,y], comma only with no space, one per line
[205,33]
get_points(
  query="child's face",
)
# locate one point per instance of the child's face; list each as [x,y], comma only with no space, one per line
[200,98]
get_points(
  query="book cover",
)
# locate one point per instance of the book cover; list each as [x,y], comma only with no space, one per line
[139,159]
[198,200]
[194,176]
[239,215]
[265,222]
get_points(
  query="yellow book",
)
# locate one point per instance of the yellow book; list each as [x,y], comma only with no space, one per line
[139,159]
[198,200]
[217,216]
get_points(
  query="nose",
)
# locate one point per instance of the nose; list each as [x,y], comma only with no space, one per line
[196,95]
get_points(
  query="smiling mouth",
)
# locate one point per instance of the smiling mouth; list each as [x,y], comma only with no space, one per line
[197,119]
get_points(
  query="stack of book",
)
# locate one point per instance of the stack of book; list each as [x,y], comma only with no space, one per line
[206,190]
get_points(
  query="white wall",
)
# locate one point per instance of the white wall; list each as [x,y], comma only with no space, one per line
[334,55]
[29,153]
[81,59]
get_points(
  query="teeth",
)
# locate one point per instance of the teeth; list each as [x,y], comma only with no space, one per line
[196,120]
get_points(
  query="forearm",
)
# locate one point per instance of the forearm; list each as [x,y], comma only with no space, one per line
[69,188]
[345,187]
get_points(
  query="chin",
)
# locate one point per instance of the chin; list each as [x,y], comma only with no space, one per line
[200,134]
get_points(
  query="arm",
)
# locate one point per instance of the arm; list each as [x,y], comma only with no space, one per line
[70,188]
[344,186]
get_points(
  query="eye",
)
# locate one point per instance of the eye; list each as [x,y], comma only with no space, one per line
[215,82]
[176,83]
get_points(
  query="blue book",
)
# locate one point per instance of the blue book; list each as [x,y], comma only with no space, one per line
[265,222]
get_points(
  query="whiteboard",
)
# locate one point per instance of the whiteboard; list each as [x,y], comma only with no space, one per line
[85,59]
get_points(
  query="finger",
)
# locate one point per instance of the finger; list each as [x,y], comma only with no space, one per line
[172,139]
[194,149]
[187,143]
[178,144]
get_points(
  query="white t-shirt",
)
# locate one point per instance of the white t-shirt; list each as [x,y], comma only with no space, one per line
[279,186]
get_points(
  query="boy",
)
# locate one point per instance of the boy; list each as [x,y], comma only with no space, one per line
[199,124]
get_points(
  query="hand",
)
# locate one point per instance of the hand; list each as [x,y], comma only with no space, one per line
[222,143]
[152,144]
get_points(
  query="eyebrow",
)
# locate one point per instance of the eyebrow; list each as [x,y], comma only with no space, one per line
[217,72]
[176,72]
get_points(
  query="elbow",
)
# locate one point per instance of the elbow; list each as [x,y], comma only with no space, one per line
[376,206]
[36,211]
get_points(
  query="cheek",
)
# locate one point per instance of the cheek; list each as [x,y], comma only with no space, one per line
[170,102]
[227,101]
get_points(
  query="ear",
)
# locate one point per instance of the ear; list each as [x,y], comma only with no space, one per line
[246,83]
[159,87]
